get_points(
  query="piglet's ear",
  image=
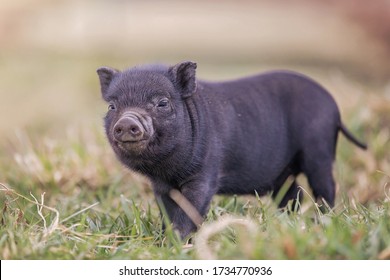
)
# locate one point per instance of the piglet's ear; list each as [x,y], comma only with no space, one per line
[106,75]
[183,76]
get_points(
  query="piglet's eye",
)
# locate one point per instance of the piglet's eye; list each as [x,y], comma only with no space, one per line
[163,103]
[111,107]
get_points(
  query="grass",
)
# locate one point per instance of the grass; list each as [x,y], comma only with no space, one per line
[234,230]
[70,199]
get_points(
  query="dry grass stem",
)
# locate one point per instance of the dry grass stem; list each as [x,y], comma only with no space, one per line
[186,206]
[203,248]
[54,224]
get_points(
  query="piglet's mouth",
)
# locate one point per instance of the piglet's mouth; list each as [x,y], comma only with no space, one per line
[133,146]
[131,142]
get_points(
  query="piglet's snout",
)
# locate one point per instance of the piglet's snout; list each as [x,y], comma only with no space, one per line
[129,129]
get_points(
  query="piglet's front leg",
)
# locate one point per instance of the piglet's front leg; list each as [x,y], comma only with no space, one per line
[186,206]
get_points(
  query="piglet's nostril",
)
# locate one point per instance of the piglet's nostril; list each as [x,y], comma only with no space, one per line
[135,130]
[118,130]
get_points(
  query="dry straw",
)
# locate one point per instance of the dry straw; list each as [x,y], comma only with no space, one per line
[40,205]
[246,234]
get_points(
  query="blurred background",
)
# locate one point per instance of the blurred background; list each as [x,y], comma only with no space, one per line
[50,50]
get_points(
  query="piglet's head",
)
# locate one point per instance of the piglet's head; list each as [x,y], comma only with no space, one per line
[146,112]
